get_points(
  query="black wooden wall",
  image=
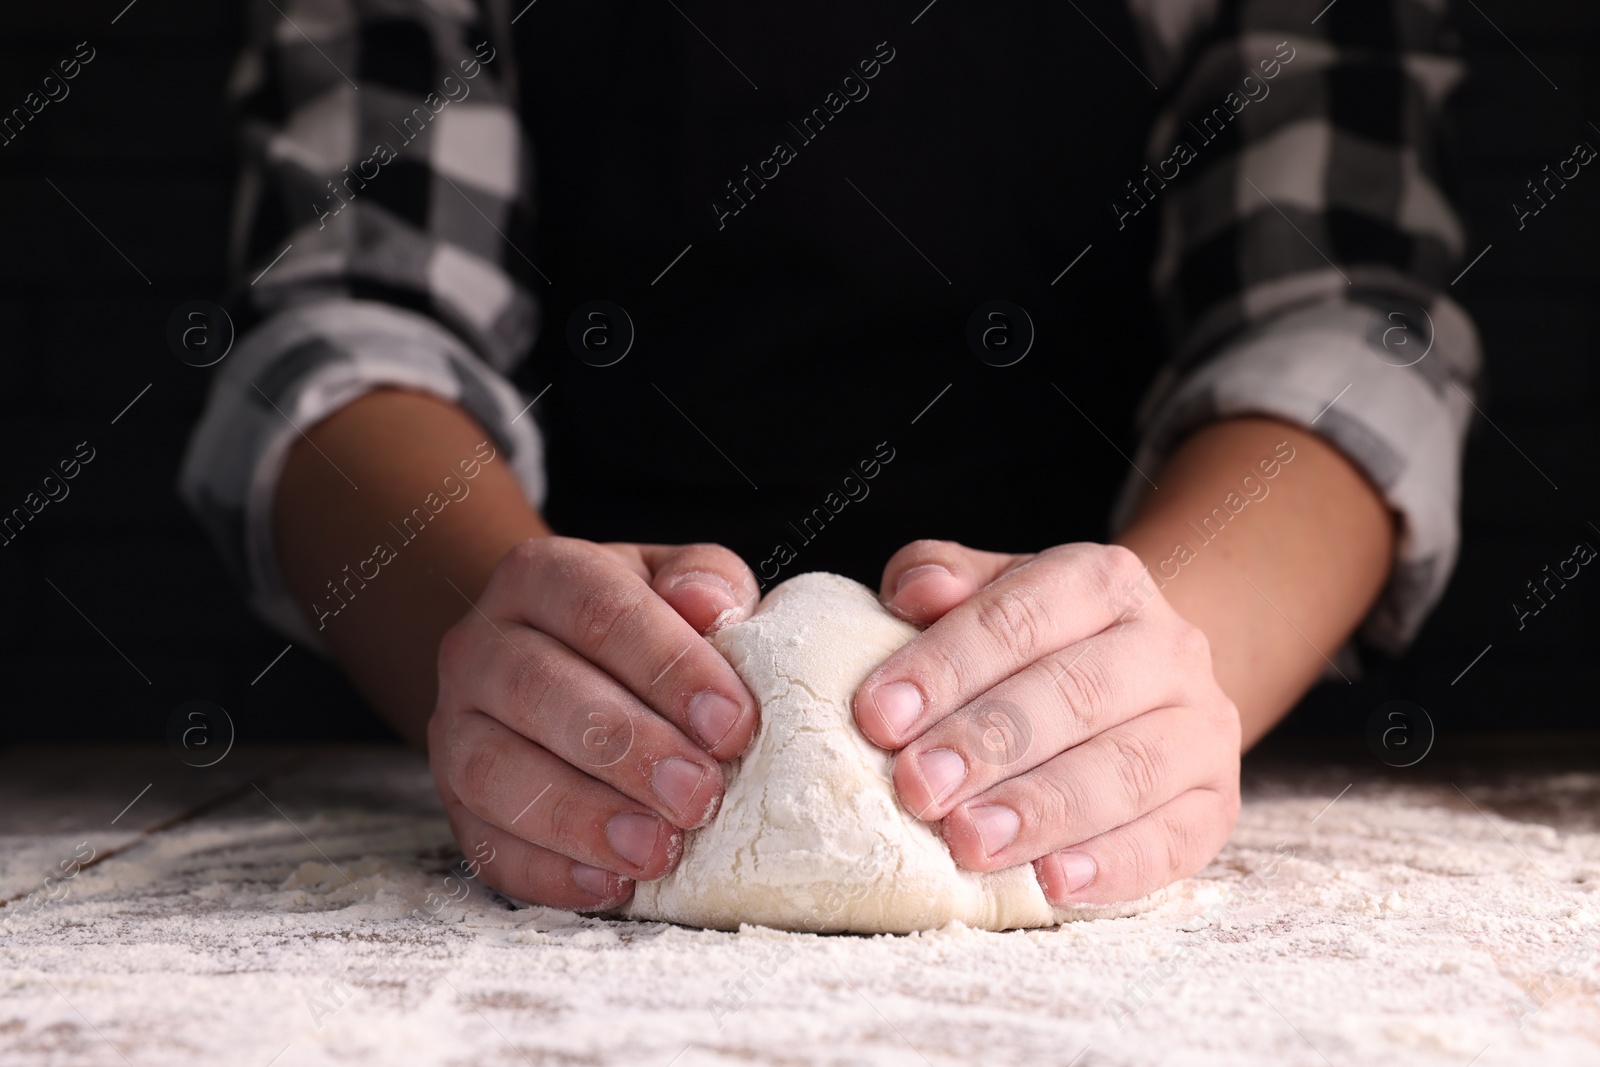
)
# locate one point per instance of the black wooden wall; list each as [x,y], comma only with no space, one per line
[141,149]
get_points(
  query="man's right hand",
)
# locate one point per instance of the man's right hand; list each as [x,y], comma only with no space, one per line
[581,714]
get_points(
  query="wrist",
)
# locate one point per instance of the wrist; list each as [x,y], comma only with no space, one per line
[388,519]
[1271,542]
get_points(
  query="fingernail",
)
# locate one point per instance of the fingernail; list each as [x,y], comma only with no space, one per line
[714,583]
[917,573]
[593,880]
[1075,869]
[713,717]
[633,836]
[675,781]
[899,704]
[942,770]
[997,826]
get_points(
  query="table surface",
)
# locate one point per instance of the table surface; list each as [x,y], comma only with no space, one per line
[291,907]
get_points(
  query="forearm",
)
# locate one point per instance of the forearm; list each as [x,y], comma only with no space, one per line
[1282,582]
[396,448]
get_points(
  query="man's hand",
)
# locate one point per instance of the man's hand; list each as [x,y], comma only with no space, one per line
[1057,711]
[581,713]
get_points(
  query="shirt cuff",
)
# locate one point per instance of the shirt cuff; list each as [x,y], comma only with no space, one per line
[1390,390]
[295,370]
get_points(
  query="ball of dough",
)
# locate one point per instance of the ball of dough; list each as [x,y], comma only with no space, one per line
[809,836]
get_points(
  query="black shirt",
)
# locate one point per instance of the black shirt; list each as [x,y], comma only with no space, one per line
[800,211]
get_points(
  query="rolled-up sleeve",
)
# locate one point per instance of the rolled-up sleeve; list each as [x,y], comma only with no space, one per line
[1305,250]
[298,368]
[383,167]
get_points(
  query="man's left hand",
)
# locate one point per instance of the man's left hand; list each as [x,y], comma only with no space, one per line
[1056,711]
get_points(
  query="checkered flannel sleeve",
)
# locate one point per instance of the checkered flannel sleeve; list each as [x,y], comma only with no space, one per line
[382,163]
[1305,250]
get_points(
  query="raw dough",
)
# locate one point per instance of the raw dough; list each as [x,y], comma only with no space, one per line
[810,835]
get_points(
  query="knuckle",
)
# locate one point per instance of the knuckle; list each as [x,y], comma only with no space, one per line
[1179,844]
[604,607]
[1231,803]
[1141,855]
[524,685]
[1118,571]
[551,558]
[1140,768]
[528,555]
[453,648]
[1226,722]
[1015,618]
[600,733]
[528,878]
[1049,803]
[999,733]
[563,818]
[1121,562]
[960,671]
[480,767]
[437,730]
[1086,688]
[680,669]
[1191,647]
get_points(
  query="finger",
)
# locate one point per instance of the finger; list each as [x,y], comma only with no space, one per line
[1053,600]
[510,782]
[536,875]
[925,579]
[1111,779]
[589,601]
[710,586]
[569,707]
[1133,861]
[1056,703]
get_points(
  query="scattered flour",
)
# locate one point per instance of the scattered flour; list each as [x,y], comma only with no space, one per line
[1401,927]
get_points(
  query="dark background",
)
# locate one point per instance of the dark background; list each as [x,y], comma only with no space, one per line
[143,147]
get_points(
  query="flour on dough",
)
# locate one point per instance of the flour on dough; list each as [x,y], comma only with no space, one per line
[810,836]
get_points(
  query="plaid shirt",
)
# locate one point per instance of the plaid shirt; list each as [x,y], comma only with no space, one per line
[1301,265]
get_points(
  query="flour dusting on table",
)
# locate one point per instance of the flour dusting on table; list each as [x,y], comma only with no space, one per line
[1401,927]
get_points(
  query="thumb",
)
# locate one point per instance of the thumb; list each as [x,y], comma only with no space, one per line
[926,579]
[709,585]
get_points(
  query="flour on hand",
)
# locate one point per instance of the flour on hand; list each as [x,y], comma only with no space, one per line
[810,836]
